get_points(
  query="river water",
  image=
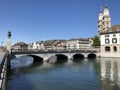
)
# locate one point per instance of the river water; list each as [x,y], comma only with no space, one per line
[96,74]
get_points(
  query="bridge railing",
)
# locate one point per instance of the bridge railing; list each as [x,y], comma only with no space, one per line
[54,51]
[3,72]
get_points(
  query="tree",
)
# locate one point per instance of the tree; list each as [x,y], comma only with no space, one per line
[96,41]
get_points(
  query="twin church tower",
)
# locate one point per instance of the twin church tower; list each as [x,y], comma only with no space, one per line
[104,20]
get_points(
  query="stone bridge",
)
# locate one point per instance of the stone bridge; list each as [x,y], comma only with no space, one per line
[50,55]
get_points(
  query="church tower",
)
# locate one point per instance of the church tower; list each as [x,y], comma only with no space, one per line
[104,21]
[100,22]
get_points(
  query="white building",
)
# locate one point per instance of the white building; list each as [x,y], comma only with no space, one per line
[109,36]
[36,46]
[110,43]
[72,44]
[78,44]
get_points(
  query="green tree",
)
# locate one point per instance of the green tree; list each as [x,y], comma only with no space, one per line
[96,41]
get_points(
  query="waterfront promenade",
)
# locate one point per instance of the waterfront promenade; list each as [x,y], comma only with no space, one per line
[1,56]
[3,70]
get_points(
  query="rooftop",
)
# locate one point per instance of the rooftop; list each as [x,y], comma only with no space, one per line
[113,29]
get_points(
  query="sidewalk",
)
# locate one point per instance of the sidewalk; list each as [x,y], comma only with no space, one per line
[1,53]
[1,56]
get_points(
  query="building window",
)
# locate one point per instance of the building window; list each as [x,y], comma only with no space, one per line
[106,35]
[114,35]
[115,49]
[118,29]
[114,40]
[107,49]
[107,41]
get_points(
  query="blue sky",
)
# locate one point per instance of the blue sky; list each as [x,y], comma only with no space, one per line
[34,20]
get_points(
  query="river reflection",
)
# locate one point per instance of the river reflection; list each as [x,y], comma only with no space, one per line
[22,61]
[94,74]
[110,73]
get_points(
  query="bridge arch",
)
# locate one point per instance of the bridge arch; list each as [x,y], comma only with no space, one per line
[91,56]
[36,58]
[61,58]
[78,56]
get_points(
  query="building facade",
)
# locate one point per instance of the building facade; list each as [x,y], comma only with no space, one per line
[109,36]
[79,44]
[72,44]
[36,46]
[20,46]
[110,44]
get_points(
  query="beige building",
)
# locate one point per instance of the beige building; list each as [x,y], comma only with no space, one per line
[20,46]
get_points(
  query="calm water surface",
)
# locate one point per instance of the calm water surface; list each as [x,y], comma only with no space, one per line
[98,74]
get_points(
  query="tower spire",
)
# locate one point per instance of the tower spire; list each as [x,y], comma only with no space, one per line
[100,14]
[100,21]
[101,9]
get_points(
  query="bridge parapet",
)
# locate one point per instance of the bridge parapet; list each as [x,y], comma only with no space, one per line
[54,51]
[3,71]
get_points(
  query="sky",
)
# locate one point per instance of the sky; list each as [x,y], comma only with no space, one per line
[36,20]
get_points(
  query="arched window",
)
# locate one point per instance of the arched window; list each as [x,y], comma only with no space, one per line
[107,41]
[114,40]
[115,49]
[107,49]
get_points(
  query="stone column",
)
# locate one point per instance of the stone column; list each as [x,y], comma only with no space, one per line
[118,49]
[112,50]
[102,49]
[9,45]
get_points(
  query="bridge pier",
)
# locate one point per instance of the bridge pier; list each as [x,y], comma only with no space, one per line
[70,57]
[45,59]
[86,56]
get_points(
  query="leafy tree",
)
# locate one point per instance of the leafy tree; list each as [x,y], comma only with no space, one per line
[96,41]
